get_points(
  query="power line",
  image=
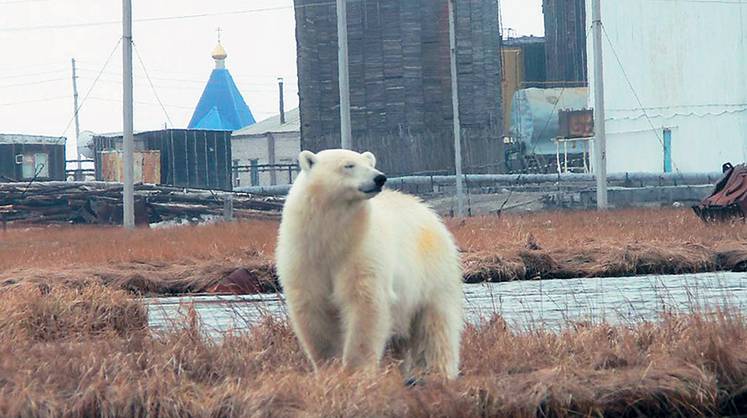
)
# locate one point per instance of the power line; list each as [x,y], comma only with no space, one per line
[46,99]
[106,99]
[163,18]
[199,78]
[32,74]
[90,89]
[31,83]
[147,76]
[191,88]
[708,1]
[654,129]
[21,1]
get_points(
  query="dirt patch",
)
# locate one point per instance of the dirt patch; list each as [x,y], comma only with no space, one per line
[154,278]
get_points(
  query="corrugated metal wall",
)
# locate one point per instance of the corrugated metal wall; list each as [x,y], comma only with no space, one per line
[400,81]
[10,171]
[189,158]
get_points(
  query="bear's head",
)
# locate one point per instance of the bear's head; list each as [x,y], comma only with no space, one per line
[340,175]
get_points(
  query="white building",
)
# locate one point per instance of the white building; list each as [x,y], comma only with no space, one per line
[687,63]
[267,143]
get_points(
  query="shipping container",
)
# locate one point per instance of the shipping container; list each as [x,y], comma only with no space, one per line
[188,157]
[32,157]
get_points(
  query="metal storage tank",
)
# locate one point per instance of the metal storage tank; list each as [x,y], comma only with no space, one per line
[534,115]
[189,158]
[32,157]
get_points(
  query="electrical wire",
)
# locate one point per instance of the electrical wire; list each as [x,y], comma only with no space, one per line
[153,88]
[31,83]
[46,99]
[654,129]
[90,89]
[163,18]
[33,74]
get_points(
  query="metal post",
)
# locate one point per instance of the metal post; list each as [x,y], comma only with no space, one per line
[78,172]
[228,208]
[127,136]
[271,159]
[600,138]
[282,101]
[344,76]
[455,110]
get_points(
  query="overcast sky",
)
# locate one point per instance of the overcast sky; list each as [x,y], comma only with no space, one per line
[39,37]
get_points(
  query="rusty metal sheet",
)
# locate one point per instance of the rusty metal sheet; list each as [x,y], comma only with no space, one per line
[513,76]
[146,165]
[576,123]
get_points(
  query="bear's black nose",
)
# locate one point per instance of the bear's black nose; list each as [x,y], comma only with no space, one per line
[380,180]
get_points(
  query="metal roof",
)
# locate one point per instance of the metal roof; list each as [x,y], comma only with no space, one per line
[273,125]
[32,139]
[221,106]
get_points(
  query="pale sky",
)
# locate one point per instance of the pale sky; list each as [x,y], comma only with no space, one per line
[39,37]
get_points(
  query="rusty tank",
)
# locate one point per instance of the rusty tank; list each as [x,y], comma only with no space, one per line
[729,198]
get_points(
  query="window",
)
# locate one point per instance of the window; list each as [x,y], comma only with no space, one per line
[254,171]
[35,165]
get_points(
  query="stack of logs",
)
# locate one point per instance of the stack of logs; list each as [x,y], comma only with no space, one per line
[101,203]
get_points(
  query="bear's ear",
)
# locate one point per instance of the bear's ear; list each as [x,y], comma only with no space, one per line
[306,159]
[370,157]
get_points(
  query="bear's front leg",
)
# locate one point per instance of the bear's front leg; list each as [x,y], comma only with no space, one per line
[317,326]
[366,321]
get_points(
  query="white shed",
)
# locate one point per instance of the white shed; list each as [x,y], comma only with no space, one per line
[267,151]
[686,61]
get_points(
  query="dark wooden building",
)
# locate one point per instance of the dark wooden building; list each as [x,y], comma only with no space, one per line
[31,157]
[400,82]
[565,41]
[189,157]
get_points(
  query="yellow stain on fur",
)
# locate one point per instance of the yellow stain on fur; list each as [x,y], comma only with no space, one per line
[428,242]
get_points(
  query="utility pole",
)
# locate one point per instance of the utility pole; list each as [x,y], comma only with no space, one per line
[78,173]
[346,133]
[128,192]
[455,111]
[600,136]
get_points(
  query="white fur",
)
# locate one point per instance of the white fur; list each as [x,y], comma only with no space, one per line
[362,269]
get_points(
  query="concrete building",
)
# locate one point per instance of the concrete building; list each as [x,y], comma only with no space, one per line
[267,151]
[687,64]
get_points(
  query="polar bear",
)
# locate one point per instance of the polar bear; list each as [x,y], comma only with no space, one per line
[362,267]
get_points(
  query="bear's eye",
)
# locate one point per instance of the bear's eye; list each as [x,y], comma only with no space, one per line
[349,166]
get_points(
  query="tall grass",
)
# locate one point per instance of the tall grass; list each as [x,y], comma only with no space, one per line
[87,352]
[511,247]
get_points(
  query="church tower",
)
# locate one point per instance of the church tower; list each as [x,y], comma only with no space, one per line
[221,106]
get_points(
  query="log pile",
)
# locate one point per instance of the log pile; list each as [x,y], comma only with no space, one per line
[101,203]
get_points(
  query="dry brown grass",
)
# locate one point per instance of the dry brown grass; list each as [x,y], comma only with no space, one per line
[86,352]
[512,247]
